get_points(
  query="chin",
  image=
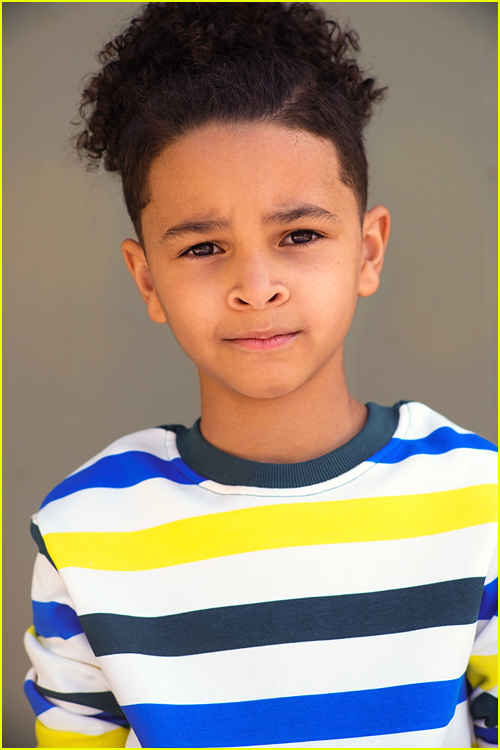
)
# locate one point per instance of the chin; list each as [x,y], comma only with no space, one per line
[266,389]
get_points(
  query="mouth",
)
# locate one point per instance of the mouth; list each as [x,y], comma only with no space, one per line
[263,340]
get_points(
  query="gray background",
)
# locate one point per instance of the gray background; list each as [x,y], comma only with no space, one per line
[83,363]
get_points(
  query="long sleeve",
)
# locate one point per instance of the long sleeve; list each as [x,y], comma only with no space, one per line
[66,687]
[343,612]
[482,669]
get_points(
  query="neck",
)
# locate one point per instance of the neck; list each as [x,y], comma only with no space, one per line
[313,420]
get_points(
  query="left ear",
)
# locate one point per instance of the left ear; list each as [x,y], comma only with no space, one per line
[376,228]
[136,262]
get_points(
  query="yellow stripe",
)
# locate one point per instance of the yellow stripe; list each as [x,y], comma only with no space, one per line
[56,738]
[275,526]
[483,671]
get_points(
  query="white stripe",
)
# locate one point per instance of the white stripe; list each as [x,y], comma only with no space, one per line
[492,574]
[425,738]
[77,647]
[47,585]
[418,420]
[159,501]
[76,708]
[64,721]
[459,731]
[288,573]
[132,740]
[422,473]
[65,674]
[291,669]
[486,640]
[147,504]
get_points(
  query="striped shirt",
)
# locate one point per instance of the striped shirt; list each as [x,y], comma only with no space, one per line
[183,597]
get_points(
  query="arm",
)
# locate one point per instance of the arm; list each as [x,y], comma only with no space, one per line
[482,669]
[66,687]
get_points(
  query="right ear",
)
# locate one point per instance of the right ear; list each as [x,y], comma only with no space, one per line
[136,262]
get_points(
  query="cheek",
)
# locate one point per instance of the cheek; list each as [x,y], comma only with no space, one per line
[331,290]
[189,309]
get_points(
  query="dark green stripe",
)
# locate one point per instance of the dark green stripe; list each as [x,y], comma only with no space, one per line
[289,621]
[485,706]
[35,533]
[214,464]
[104,701]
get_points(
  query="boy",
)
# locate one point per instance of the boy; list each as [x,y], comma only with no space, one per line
[297,568]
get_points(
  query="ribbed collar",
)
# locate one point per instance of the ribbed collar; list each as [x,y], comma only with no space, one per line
[212,463]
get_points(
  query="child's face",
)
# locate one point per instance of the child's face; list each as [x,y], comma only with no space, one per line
[256,255]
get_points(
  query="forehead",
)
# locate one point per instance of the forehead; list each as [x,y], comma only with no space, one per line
[216,167]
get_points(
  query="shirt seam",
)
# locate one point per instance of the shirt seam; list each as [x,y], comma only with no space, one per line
[362,473]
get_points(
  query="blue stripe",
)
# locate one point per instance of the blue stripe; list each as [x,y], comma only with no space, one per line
[440,441]
[39,704]
[462,695]
[52,619]
[306,718]
[490,735]
[105,716]
[124,470]
[489,602]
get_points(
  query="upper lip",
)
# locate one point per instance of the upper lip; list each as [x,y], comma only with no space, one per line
[263,334]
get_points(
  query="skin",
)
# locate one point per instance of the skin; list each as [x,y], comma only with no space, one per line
[262,271]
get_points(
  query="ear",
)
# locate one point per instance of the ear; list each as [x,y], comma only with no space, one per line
[136,262]
[376,228]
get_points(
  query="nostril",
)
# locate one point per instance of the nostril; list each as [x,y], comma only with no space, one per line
[257,297]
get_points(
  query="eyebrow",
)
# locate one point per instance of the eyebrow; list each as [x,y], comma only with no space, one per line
[306,211]
[194,227]
[279,216]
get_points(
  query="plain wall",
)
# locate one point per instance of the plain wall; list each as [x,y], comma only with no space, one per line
[83,362]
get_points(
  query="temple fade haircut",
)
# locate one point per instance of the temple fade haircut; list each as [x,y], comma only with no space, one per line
[179,66]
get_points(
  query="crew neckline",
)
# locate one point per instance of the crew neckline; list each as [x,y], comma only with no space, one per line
[211,463]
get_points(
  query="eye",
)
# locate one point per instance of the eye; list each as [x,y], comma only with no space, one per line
[203,249]
[301,237]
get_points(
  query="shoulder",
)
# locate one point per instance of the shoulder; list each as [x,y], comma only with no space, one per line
[113,465]
[427,440]
[446,473]
[436,432]
[114,479]
[422,420]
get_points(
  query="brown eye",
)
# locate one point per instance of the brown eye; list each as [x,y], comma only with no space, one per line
[301,237]
[304,235]
[205,248]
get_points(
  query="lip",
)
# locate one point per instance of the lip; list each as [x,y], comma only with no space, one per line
[263,340]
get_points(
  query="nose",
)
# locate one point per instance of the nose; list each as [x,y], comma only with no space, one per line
[257,285]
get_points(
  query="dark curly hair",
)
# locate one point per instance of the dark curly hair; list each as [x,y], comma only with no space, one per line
[182,65]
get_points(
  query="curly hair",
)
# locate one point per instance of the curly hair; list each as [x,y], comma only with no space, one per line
[179,66]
